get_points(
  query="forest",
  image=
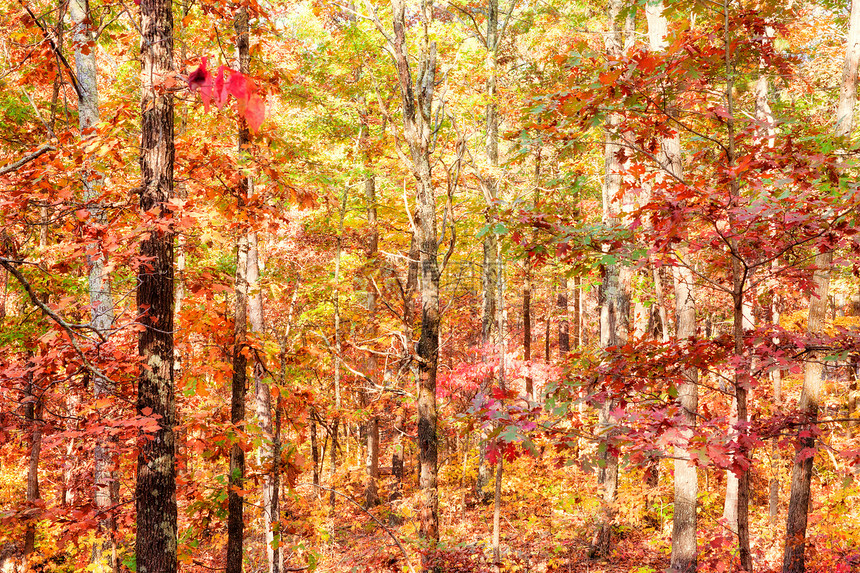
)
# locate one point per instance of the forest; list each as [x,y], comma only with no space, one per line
[453,286]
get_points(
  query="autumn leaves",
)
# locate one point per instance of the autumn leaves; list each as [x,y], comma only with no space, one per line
[218,89]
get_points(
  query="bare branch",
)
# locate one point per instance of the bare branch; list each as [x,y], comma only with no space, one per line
[26,159]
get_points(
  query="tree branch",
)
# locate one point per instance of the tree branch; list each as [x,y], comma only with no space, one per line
[26,159]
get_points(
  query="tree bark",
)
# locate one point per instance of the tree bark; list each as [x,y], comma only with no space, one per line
[33,416]
[563,322]
[527,329]
[101,298]
[417,102]
[235,499]
[371,491]
[801,473]
[684,546]
[614,293]
[810,398]
[337,347]
[490,274]
[155,491]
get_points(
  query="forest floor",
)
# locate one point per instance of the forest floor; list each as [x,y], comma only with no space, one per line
[526,547]
[547,522]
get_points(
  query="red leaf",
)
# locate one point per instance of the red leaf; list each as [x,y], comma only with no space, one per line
[240,88]
[220,88]
[202,79]
[255,112]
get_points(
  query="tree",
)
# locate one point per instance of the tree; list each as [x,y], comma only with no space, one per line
[235,520]
[615,286]
[155,491]
[416,93]
[794,557]
[684,550]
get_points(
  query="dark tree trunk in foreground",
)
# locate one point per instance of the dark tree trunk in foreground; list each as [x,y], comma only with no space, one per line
[235,500]
[155,493]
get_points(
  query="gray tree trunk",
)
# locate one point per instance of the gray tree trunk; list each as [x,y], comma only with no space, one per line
[490,275]
[417,93]
[794,558]
[371,491]
[614,293]
[33,416]
[101,299]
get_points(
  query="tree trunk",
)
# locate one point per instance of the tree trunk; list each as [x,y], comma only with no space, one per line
[235,499]
[740,283]
[371,492]
[337,347]
[614,291]
[497,511]
[490,276]
[101,298]
[33,416]
[277,554]
[155,491]
[417,103]
[577,312]
[563,323]
[315,453]
[684,546]
[527,328]
[801,473]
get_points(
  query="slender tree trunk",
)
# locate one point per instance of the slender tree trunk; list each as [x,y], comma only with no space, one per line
[278,555]
[262,392]
[33,416]
[371,492]
[235,499]
[614,291]
[490,275]
[684,546]
[262,400]
[661,305]
[417,102]
[740,279]
[397,456]
[337,348]
[527,329]
[101,299]
[315,453]
[563,323]
[577,312]
[497,511]
[527,290]
[801,474]
[155,492]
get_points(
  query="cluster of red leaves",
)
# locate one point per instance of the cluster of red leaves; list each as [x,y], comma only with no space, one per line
[218,89]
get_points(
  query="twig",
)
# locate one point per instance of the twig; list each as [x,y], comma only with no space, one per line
[373,517]
[26,159]
[55,49]
[69,328]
